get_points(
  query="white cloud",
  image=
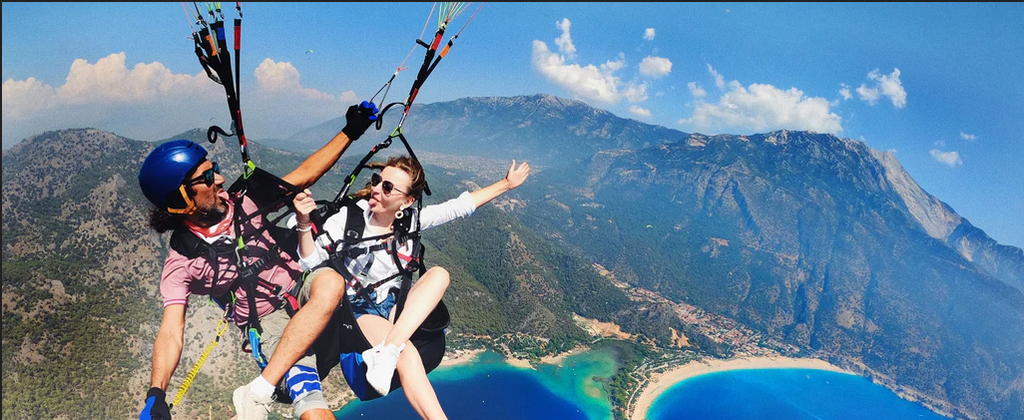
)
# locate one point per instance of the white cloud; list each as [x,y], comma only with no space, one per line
[761,107]
[640,112]
[283,77]
[349,97]
[870,95]
[697,91]
[649,34]
[588,82]
[719,80]
[844,92]
[968,137]
[110,81]
[24,98]
[655,66]
[148,101]
[634,92]
[564,41]
[951,159]
[885,85]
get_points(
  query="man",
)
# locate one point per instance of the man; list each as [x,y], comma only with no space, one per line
[188,192]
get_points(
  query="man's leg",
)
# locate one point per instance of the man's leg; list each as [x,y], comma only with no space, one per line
[302,380]
[321,297]
[326,292]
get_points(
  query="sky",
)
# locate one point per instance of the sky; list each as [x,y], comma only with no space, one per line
[940,85]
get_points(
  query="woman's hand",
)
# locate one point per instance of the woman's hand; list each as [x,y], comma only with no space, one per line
[304,206]
[516,176]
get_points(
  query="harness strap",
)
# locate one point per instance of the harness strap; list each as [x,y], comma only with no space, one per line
[357,252]
[255,267]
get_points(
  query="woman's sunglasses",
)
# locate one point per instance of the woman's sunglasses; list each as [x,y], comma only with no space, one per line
[207,177]
[387,187]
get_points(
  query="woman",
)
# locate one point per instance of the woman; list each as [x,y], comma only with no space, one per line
[397,187]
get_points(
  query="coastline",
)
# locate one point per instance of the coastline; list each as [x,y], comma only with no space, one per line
[460,357]
[660,382]
[555,360]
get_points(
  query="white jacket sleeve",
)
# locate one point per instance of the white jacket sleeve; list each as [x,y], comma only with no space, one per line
[437,214]
[335,226]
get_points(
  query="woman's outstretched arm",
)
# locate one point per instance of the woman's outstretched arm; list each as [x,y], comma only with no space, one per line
[514,178]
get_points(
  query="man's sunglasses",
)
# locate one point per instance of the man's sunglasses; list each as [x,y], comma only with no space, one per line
[207,177]
[387,187]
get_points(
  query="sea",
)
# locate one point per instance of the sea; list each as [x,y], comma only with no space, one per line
[489,388]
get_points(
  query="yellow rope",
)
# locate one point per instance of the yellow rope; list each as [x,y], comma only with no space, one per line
[222,326]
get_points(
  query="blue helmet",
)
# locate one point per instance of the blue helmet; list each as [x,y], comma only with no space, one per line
[162,175]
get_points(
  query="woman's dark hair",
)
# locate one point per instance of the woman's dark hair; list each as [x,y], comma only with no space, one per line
[406,163]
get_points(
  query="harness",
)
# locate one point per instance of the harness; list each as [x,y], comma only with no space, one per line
[342,341]
[354,247]
[192,246]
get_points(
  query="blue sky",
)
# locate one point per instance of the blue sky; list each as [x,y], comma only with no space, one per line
[939,84]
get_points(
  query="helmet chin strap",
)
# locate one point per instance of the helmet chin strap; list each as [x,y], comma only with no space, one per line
[190,205]
[198,216]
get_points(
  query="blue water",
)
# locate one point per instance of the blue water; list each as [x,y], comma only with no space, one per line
[777,394]
[488,388]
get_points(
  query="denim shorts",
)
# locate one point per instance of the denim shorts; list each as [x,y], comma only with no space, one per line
[362,307]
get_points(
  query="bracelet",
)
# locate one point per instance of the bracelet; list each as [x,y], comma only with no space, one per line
[304,229]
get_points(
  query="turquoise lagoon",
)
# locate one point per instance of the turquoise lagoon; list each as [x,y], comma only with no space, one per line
[488,388]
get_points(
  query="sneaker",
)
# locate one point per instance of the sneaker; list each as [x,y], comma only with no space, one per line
[381,362]
[248,406]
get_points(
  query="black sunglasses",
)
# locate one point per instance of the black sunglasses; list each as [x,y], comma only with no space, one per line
[207,177]
[388,187]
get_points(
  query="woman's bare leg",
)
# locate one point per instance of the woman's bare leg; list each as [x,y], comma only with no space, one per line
[413,377]
[423,298]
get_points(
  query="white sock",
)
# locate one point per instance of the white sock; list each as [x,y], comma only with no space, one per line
[259,387]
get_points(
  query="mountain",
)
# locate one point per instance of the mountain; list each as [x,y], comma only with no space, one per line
[815,241]
[813,238]
[942,223]
[567,133]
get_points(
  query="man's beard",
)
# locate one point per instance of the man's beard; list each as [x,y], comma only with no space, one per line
[213,215]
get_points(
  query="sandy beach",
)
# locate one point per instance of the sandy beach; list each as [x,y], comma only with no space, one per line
[458,357]
[547,360]
[662,381]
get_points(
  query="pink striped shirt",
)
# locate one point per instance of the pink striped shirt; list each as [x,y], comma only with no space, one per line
[183,277]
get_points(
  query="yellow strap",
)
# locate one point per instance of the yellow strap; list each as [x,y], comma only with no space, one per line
[222,326]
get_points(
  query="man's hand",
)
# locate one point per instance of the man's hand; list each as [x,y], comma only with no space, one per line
[358,119]
[156,406]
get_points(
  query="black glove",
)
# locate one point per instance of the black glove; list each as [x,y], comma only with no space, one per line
[156,406]
[358,119]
